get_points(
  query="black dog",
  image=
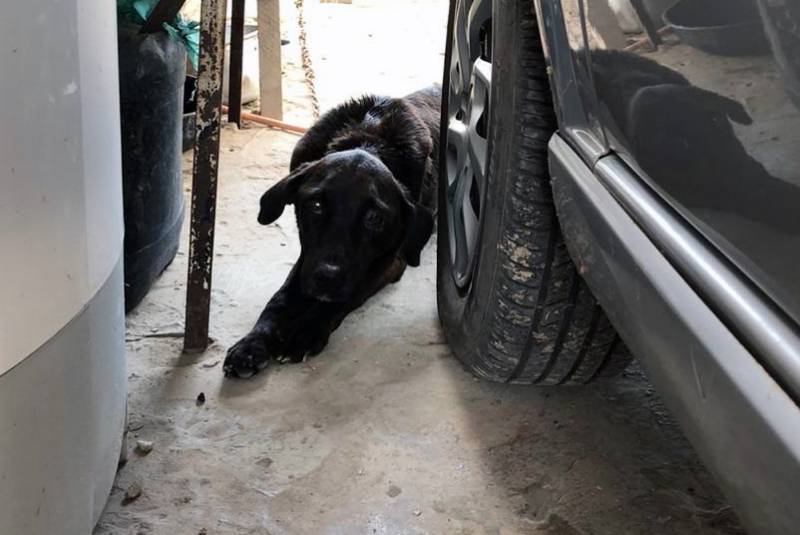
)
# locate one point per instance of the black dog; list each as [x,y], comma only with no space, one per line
[363,183]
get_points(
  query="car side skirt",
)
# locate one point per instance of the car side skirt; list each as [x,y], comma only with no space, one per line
[741,421]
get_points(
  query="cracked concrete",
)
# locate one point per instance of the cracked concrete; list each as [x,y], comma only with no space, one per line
[383,432]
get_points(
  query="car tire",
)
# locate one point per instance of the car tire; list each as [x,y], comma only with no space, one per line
[515,310]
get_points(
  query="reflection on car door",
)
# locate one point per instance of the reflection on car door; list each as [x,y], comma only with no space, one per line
[710,118]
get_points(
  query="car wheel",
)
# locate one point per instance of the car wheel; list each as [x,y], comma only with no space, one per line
[512,305]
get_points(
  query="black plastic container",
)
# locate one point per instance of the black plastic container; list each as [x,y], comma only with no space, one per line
[734,31]
[151,78]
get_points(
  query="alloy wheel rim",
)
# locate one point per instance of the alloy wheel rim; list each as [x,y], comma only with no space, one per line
[466,152]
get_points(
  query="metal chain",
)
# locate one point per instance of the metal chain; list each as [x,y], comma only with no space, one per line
[308,69]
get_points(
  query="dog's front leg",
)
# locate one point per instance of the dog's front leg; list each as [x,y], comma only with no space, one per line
[294,325]
[309,333]
[269,337]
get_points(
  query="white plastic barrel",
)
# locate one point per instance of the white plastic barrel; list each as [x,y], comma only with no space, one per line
[62,367]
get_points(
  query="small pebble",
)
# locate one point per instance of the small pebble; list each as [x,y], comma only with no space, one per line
[132,494]
[201,398]
[417,512]
[144,446]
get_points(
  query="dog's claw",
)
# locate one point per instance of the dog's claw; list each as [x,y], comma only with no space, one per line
[288,358]
[241,373]
[246,358]
[253,353]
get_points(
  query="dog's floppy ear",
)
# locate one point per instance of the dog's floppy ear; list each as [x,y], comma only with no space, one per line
[419,227]
[732,108]
[283,193]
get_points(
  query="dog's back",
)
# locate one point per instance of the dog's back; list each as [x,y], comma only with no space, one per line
[402,132]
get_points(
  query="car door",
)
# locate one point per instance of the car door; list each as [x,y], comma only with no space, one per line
[562,25]
[707,113]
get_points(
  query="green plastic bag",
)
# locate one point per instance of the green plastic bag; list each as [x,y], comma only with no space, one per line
[187,31]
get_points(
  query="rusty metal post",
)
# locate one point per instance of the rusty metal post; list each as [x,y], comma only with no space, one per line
[204,179]
[235,69]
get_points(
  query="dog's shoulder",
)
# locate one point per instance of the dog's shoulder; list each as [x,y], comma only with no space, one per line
[628,70]
[400,132]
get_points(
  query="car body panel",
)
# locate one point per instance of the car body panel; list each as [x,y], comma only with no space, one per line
[741,421]
[569,79]
[770,335]
[715,135]
[683,216]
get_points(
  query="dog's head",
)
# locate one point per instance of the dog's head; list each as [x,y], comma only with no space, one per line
[677,111]
[353,217]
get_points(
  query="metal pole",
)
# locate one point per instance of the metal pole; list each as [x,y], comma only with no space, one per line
[204,180]
[235,78]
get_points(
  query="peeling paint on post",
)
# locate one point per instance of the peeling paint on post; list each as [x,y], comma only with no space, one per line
[204,179]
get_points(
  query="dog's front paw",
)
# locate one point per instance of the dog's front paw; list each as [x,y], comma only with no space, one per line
[248,356]
[304,342]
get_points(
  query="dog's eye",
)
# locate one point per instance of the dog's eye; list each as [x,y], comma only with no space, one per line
[373,220]
[315,207]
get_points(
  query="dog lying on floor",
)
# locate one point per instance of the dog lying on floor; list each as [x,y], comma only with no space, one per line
[363,184]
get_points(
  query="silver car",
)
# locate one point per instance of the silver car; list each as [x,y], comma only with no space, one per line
[623,178]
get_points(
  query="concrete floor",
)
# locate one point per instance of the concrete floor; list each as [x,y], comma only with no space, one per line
[383,432]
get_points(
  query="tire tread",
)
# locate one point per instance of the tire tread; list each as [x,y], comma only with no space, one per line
[542,324]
